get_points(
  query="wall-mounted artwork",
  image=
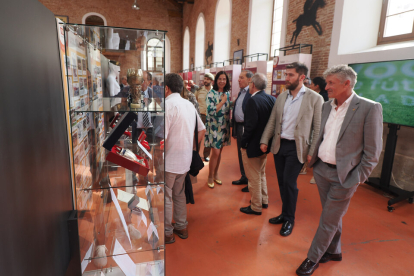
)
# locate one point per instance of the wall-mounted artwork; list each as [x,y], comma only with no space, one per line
[308,18]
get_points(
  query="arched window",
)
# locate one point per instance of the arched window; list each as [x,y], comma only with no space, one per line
[199,42]
[186,49]
[155,57]
[94,18]
[167,55]
[260,26]
[222,28]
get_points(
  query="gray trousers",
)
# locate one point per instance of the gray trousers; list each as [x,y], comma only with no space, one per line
[175,195]
[335,200]
[206,152]
[239,136]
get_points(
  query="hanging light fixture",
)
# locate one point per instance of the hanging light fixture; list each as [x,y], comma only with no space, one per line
[135,5]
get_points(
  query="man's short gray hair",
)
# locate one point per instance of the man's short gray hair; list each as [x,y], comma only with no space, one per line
[343,72]
[249,73]
[260,81]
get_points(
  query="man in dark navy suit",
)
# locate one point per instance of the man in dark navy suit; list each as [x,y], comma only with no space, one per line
[258,110]
[238,120]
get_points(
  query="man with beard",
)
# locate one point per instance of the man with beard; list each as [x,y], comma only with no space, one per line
[201,95]
[294,125]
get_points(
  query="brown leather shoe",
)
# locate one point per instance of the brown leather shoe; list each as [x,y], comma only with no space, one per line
[169,239]
[183,233]
[330,257]
[307,268]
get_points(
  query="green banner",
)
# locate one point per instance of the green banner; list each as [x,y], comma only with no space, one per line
[391,84]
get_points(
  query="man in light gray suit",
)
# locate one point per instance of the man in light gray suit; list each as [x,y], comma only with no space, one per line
[294,125]
[346,152]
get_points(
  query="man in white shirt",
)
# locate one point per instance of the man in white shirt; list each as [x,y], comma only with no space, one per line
[180,123]
[347,150]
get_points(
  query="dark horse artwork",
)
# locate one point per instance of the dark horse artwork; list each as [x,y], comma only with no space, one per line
[209,51]
[308,17]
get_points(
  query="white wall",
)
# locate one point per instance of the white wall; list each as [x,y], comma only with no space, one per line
[359,28]
[354,35]
[200,40]
[260,26]
[222,29]
[186,49]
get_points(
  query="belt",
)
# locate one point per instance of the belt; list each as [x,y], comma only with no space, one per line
[237,123]
[330,165]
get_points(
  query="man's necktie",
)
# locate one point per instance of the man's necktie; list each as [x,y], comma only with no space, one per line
[145,120]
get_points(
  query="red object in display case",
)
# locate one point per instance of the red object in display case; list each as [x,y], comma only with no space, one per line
[114,156]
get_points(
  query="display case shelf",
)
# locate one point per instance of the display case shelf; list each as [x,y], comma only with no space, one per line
[118,104]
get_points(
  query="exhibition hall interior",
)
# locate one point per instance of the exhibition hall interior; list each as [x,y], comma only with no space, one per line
[301,161]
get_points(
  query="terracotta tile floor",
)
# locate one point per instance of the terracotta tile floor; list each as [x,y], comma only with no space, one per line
[224,241]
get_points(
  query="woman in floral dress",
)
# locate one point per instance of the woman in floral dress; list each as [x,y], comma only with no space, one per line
[217,124]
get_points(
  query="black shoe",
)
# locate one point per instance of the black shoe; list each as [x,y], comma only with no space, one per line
[206,159]
[286,229]
[277,220]
[330,257]
[307,268]
[248,210]
[245,189]
[241,181]
[264,206]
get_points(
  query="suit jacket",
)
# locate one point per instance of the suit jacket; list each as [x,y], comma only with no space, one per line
[258,110]
[244,103]
[307,128]
[359,143]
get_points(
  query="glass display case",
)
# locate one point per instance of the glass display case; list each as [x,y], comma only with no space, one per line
[115,102]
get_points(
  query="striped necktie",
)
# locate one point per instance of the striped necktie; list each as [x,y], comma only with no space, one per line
[145,120]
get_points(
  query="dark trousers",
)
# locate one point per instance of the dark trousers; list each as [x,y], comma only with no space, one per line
[206,152]
[287,169]
[239,135]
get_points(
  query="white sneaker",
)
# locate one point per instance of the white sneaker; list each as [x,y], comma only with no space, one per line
[99,259]
[133,232]
[312,181]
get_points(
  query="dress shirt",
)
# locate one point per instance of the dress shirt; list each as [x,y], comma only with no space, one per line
[180,121]
[290,114]
[256,92]
[146,93]
[238,109]
[331,132]
[201,96]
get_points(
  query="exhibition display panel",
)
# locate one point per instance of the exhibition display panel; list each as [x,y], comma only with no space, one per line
[114,81]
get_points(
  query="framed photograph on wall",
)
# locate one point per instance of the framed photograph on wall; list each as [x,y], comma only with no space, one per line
[238,57]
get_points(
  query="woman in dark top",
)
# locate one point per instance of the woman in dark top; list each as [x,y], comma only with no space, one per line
[318,85]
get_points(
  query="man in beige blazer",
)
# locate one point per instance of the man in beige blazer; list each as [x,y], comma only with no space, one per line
[294,125]
[347,150]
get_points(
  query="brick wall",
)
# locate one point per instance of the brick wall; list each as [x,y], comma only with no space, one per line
[239,24]
[174,18]
[153,14]
[239,28]
[321,44]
